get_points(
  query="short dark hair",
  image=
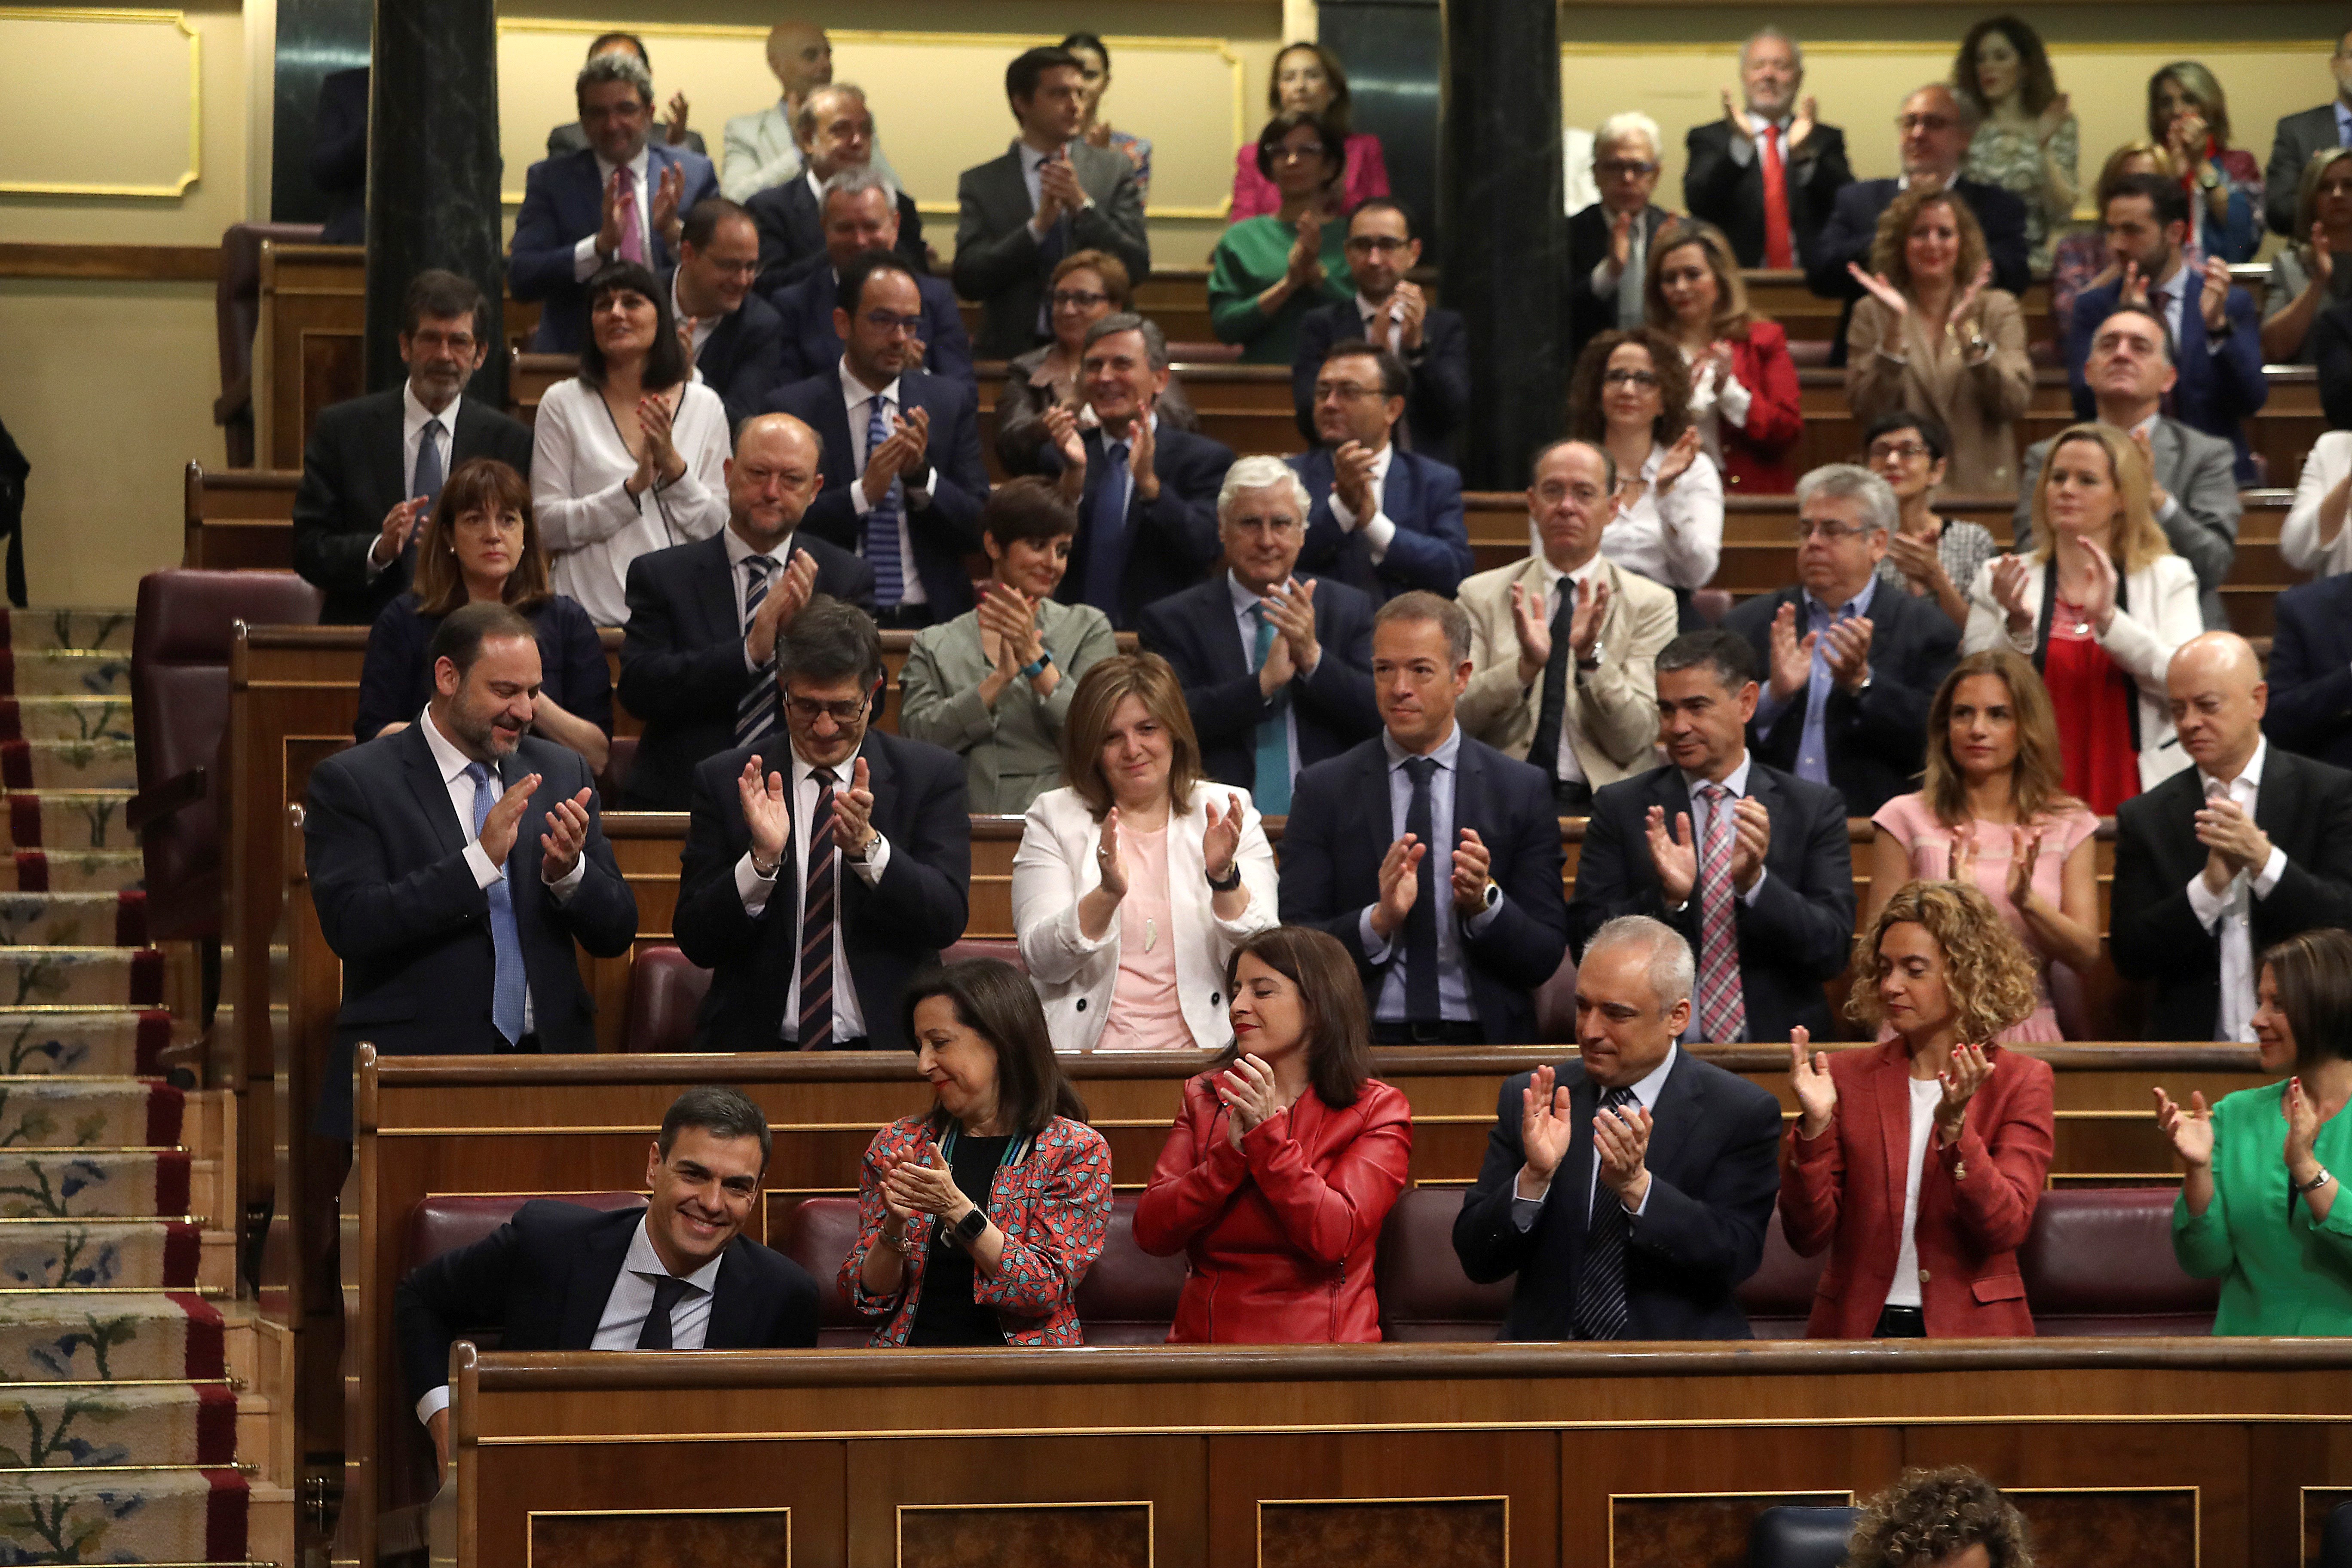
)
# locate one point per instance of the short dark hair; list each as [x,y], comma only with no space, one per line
[1030,507]
[703,218]
[602,69]
[996,1002]
[723,1113]
[2147,312]
[597,46]
[443,295]
[1932,431]
[1386,204]
[1339,1027]
[830,640]
[666,363]
[1029,66]
[2313,971]
[1394,377]
[1330,131]
[1422,606]
[862,266]
[2163,195]
[465,629]
[1727,653]
[1087,41]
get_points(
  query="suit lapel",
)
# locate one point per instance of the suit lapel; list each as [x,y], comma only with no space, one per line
[1871,1092]
[732,1301]
[1677,1112]
[388,452]
[1222,627]
[713,584]
[432,793]
[593,1281]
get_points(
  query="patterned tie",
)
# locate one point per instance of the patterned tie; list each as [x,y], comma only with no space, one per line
[1420,1003]
[624,207]
[755,710]
[1543,752]
[881,546]
[1601,1309]
[507,984]
[816,923]
[1722,1007]
[1272,788]
[430,469]
[1106,533]
[1778,250]
[668,1290]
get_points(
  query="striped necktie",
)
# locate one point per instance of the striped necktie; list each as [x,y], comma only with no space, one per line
[1722,1007]
[881,550]
[816,922]
[1600,1310]
[755,710]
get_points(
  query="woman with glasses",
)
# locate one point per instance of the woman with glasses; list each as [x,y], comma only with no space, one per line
[1268,273]
[1308,80]
[1743,382]
[1927,556]
[1086,286]
[1630,396]
[2303,281]
[2027,140]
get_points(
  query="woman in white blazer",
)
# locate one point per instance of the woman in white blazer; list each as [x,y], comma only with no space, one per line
[2102,625]
[1134,883]
[2314,538]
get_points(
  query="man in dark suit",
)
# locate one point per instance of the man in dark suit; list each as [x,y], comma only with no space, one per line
[1052,193]
[699,654]
[1276,668]
[1609,242]
[1390,311]
[1765,172]
[2311,670]
[1749,863]
[825,866]
[2303,133]
[2221,859]
[835,133]
[1855,665]
[1383,521]
[858,218]
[621,197]
[737,339]
[904,478]
[455,915]
[1146,493]
[1630,1189]
[1433,858]
[373,465]
[678,1274]
[570,136]
[2215,326]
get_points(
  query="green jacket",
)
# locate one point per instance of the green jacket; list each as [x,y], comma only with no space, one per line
[1012,753]
[2279,1275]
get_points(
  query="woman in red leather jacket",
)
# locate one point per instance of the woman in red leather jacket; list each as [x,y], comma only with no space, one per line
[1743,397]
[1281,1167]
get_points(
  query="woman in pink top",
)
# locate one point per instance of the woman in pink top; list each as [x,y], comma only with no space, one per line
[1307,76]
[1993,813]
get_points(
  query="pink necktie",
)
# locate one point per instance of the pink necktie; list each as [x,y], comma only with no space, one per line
[1722,1010]
[624,205]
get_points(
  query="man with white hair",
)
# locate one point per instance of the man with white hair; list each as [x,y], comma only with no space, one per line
[1609,242]
[1628,1190]
[1855,665]
[1766,172]
[1277,665]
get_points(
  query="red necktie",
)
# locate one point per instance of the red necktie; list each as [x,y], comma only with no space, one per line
[1778,250]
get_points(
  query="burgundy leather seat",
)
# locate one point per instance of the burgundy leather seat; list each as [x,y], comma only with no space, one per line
[1424,1295]
[1556,1003]
[664,990]
[2099,1261]
[985,947]
[1128,1297]
[1778,1297]
[817,1237]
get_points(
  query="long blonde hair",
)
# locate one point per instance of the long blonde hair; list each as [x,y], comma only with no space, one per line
[2137,538]
[2037,776]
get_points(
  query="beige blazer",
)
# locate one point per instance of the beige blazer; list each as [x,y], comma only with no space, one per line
[1612,715]
[1978,403]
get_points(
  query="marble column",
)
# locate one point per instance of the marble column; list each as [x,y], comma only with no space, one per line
[432,172]
[1498,207]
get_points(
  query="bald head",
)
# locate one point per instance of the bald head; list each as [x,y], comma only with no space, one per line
[2218,696]
[772,479]
[1936,128]
[801,56]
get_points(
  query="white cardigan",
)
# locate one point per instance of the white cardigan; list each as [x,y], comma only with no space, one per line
[589,524]
[2329,461]
[2164,614]
[1054,867]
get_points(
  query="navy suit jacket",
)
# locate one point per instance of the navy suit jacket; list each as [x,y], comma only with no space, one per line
[1422,497]
[399,905]
[1852,229]
[542,1281]
[744,357]
[1715,1174]
[1794,938]
[2296,137]
[682,656]
[792,234]
[889,930]
[1589,314]
[1341,827]
[1196,631]
[810,344]
[2311,671]
[944,531]
[1171,541]
[563,203]
[1436,397]
[2331,351]
[1877,740]
[2218,391]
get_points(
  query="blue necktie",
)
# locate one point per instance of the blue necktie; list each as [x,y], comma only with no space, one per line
[882,522]
[508,986]
[755,710]
[429,467]
[1272,790]
[1106,533]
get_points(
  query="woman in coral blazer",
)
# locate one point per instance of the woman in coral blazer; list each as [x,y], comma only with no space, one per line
[1285,1159]
[1917,1162]
[1743,384]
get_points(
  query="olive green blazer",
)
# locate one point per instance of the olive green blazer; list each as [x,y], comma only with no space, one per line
[1012,753]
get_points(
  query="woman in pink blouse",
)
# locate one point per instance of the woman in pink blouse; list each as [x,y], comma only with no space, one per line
[1994,813]
[1307,76]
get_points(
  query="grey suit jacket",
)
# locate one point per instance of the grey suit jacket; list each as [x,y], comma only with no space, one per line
[1000,262]
[1012,753]
[2298,137]
[2200,473]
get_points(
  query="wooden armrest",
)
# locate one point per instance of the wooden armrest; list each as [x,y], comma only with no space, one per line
[154,804]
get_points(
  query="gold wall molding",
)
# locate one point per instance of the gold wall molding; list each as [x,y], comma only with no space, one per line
[28,99]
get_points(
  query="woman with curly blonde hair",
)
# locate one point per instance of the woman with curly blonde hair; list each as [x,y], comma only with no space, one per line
[1927,1250]
[1939,1518]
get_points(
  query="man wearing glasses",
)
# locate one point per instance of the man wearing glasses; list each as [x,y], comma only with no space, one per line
[824,866]
[1609,242]
[1383,522]
[1390,311]
[2301,134]
[734,337]
[859,217]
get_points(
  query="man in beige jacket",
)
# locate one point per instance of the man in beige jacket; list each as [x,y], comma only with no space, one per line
[1562,643]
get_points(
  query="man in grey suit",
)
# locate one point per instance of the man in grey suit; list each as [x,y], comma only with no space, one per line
[1050,194]
[573,137]
[2301,134]
[2129,370]
[763,150]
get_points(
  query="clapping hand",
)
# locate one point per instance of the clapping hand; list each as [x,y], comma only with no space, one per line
[398,524]
[786,598]
[1110,867]
[1914,558]
[1141,449]
[767,813]
[2225,830]
[1400,886]
[1250,1097]
[2190,1129]
[1409,307]
[853,813]
[2159,497]
[1472,869]
[916,1186]
[2215,301]
[1968,299]
[675,132]
[1848,651]
[2301,1109]
[1809,114]
[1584,621]
[1751,839]
[1544,1130]
[1062,432]
[1678,459]
[2099,602]
[2010,573]
[1793,656]
[566,836]
[2133,289]
[1876,285]
[1534,633]
[1291,607]
[2052,120]
[1622,1139]
[1009,617]
[667,192]
[1220,838]
[1673,856]
[2323,261]
[2024,854]
[1304,268]
[1809,1074]
[1058,191]
[1352,478]
[656,419]
[1620,242]
[1963,1075]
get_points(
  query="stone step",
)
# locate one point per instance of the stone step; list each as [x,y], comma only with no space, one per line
[63,672]
[65,718]
[67,765]
[60,820]
[71,871]
[66,627]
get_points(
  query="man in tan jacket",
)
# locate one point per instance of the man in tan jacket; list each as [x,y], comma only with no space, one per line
[1563,644]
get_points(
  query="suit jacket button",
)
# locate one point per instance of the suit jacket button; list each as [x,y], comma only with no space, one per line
[1923,1276]
[1082,1003]
[1216,999]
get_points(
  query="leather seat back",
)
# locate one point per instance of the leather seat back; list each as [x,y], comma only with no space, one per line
[1793,1537]
[1424,1296]
[664,990]
[2099,1261]
[818,1236]
[1778,1297]
[1128,1297]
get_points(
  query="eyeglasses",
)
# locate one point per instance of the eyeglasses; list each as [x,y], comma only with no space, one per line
[1623,169]
[808,710]
[1910,122]
[890,325]
[1311,150]
[1376,244]
[1645,379]
[1076,298]
[1281,526]
[1553,493]
[456,343]
[1829,532]
[1908,451]
[1346,390]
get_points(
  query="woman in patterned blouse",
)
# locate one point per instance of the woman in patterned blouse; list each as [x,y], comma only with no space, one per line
[977,1220]
[2026,140]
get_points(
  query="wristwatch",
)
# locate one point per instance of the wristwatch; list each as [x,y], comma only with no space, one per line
[1585,665]
[1037,666]
[1232,880]
[968,1229]
[2314,1184]
[2209,178]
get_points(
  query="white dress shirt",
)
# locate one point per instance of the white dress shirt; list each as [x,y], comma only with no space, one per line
[848,1018]
[1676,539]
[1245,605]
[1646,1090]
[1743,148]
[1453,999]
[703,325]
[859,398]
[1557,583]
[2229,914]
[1926,1094]
[585,260]
[414,418]
[593,528]
[1377,530]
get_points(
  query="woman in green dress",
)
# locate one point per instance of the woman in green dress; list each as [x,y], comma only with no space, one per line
[2261,1209]
[1268,273]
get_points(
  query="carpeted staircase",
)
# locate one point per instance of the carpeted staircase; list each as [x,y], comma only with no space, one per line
[140,1415]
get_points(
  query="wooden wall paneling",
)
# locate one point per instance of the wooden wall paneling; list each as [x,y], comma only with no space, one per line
[994,1500]
[740,1537]
[239,519]
[1668,1499]
[679,1493]
[1338,1499]
[306,353]
[2142,1491]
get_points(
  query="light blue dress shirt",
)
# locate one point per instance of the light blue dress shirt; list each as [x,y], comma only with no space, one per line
[1452,983]
[1813,751]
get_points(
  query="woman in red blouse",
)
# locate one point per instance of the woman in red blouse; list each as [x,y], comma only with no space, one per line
[1285,1161]
[1743,382]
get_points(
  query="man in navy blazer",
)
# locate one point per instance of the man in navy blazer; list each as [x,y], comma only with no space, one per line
[2311,670]
[2216,327]
[1293,694]
[1391,311]
[1637,1221]
[835,133]
[563,1277]
[1383,520]
[858,219]
[1433,858]
[621,196]
[1790,872]
[455,919]
[2300,135]
[924,481]
[738,341]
